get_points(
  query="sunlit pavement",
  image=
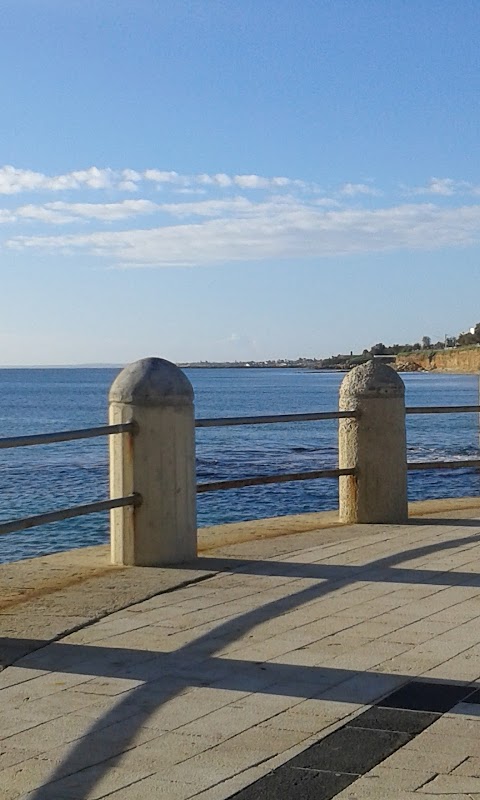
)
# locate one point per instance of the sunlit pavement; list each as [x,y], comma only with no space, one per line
[273,675]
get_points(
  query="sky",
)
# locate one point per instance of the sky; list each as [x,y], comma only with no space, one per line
[236,179]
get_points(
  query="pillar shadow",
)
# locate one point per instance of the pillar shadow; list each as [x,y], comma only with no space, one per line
[452,523]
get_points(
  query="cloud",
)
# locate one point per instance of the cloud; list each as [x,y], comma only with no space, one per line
[42,214]
[222,218]
[6,216]
[103,211]
[252,182]
[61,213]
[210,208]
[274,231]
[353,189]
[160,176]
[15,181]
[128,186]
[443,187]
[131,175]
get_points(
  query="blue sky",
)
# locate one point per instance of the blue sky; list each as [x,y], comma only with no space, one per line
[236,179]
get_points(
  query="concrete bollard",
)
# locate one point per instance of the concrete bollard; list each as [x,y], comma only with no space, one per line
[158,462]
[375,444]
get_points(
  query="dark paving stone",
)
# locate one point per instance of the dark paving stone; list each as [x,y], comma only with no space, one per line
[394,719]
[296,784]
[473,698]
[352,750]
[424,696]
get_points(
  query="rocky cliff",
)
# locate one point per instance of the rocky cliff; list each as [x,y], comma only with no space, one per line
[452,360]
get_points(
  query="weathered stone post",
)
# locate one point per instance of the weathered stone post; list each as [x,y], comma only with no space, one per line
[375,444]
[158,462]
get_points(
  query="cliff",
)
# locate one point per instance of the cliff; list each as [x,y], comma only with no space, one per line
[459,359]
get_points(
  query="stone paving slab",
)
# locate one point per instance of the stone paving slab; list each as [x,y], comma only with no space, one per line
[258,678]
[41,599]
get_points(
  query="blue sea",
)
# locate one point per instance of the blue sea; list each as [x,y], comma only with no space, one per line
[43,478]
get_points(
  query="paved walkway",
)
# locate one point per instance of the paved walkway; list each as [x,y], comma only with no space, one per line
[273,673]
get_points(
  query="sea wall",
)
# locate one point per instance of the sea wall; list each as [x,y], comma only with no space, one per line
[452,360]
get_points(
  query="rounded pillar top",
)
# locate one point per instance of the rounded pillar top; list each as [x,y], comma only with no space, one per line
[372,379]
[152,382]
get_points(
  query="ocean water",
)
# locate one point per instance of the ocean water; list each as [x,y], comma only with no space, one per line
[42,478]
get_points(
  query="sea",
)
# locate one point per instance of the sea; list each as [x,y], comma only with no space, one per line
[43,478]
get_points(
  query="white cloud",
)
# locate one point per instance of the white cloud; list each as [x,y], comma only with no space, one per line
[251,182]
[238,217]
[61,213]
[191,191]
[131,175]
[128,186]
[6,215]
[209,208]
[443,187]
[14,180]
[42,214]
[104,211]
[222,180]
[19,180]
[353,189]
[276,231]
[160,176]
[94,178]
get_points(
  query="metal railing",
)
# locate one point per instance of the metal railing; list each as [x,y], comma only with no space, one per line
[286,477]
[260,480]
[66,436]
[457,464]
[222,422]
[442,409]
[238,483]
[72,511]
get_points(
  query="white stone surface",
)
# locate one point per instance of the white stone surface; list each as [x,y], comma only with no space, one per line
[157,462]
[374,443]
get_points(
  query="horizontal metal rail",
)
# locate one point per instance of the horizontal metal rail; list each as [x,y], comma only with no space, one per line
[220,422]
[67,513]
[464,464]
[261,480]
[442,409]
[67,436]
[215,422]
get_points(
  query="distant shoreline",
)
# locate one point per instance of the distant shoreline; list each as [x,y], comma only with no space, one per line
[181,366]
[62,366]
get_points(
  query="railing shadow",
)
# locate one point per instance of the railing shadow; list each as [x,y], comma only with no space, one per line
[451,523]
[166,675]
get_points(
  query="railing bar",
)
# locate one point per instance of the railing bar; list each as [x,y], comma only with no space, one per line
[217,422]
[261,480]
[441,409]
[68,513]
[418,465]
[66,436]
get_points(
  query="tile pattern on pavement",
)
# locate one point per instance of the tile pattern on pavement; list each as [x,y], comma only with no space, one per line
[205,690]
[341,758]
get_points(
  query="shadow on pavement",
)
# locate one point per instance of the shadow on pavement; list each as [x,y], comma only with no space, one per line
[164,676]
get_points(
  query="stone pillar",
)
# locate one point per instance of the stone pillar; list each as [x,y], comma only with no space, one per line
[375,444]
[158,462]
